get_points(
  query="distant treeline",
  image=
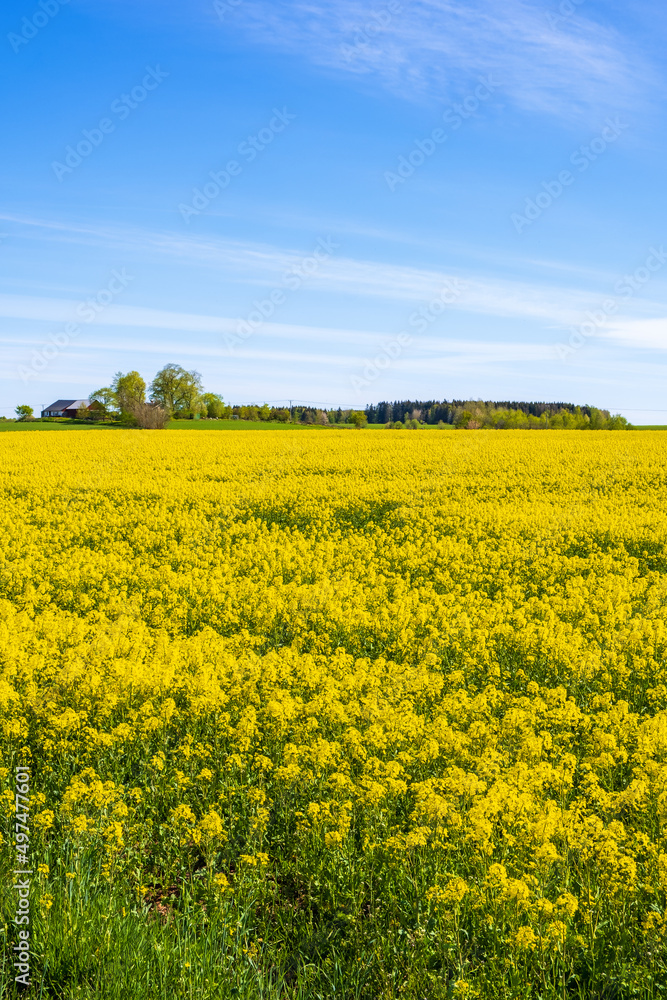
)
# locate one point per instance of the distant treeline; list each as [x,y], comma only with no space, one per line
[175,393]
[473,414]
[465,414]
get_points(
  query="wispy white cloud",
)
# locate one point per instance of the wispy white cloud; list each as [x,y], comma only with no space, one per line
[508,299]
[650,334]
[259,263]
[288,344]
[552,307]
[435,48]
[50,310]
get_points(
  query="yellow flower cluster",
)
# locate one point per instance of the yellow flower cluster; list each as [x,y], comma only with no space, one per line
[444,654]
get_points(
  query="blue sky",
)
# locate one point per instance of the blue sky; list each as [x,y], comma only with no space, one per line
[338,203]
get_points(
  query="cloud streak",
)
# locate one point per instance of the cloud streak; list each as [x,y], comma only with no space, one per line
[552,306]
[431,49]
[549,308]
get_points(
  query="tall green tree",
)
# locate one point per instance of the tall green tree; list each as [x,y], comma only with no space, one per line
[24,412]
[128,390]
[215,405]
[105,399]
[174,388]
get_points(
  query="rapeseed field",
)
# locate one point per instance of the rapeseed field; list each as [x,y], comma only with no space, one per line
[336,713]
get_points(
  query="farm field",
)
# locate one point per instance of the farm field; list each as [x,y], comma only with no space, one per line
[187,425]
[184,425]
[356,715]
[224,425]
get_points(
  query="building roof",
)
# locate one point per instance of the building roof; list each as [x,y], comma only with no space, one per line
[68,404]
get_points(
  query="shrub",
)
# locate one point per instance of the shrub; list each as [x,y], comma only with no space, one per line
[149,416]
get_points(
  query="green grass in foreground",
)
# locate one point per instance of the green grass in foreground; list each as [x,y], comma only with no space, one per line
[173,425]
[265,425]
[37,425]
[225,425]
[249,425]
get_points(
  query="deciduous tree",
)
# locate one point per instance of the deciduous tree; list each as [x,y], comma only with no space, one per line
[127,390]
[174,388]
